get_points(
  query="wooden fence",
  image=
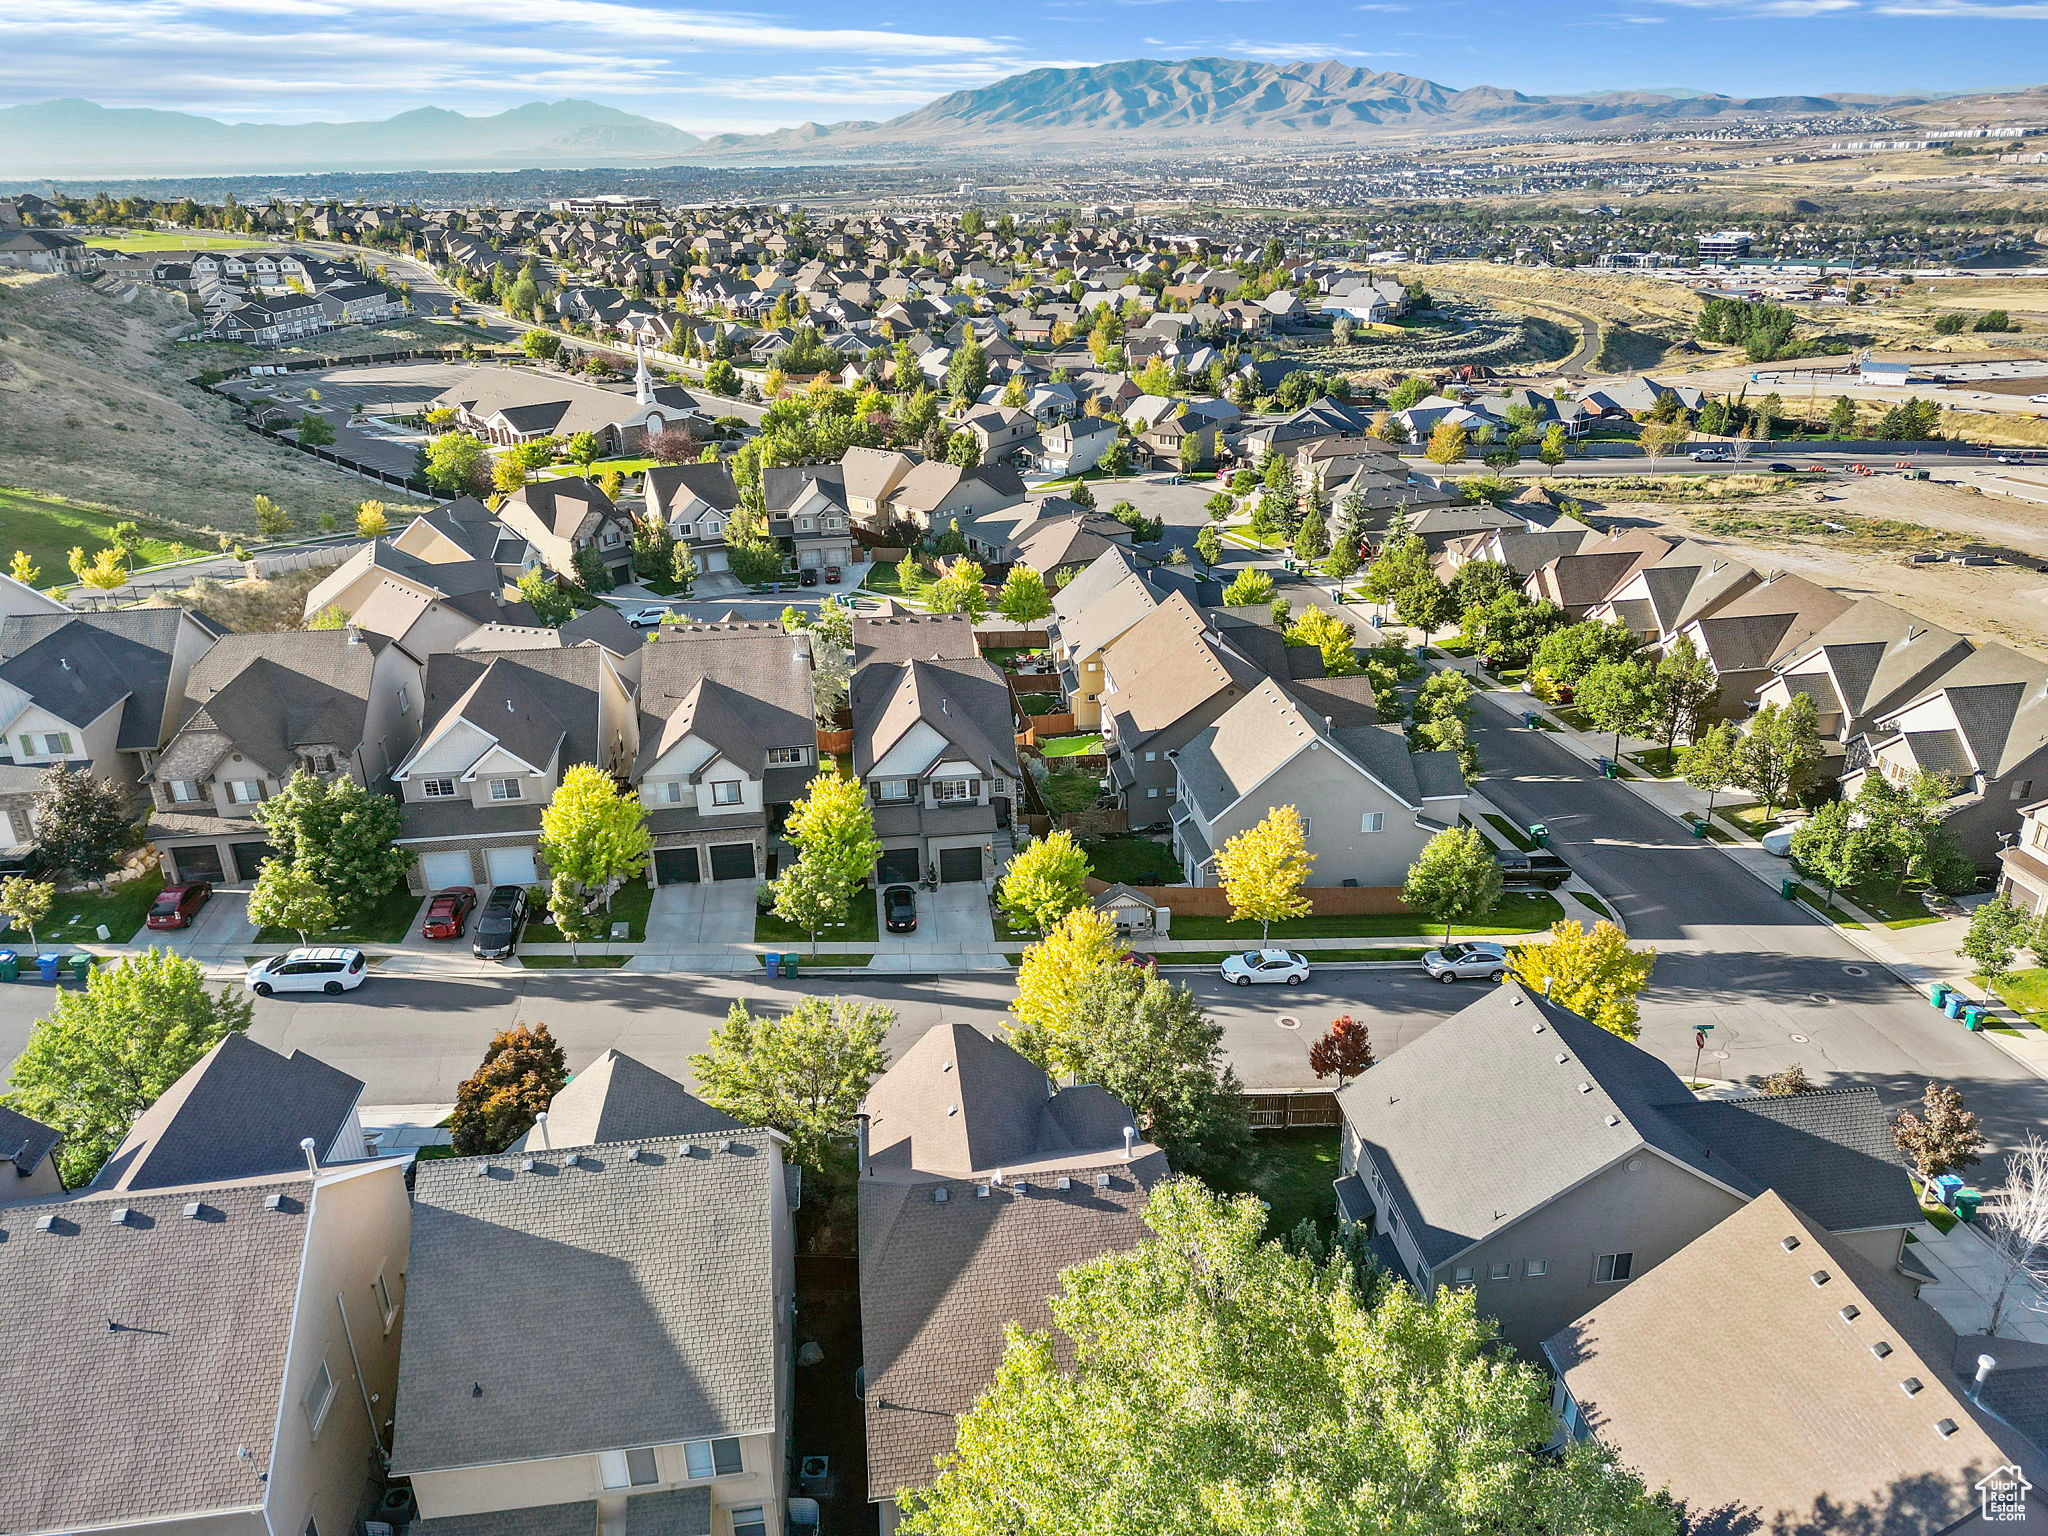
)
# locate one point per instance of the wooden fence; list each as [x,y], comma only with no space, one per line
[1276,1111]
[832,743]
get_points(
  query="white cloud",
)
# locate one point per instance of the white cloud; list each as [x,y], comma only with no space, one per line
[1966,10]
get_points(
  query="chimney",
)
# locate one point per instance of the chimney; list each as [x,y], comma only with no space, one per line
[1985,1365]
[540,1130]
[312,1156]
[860,1142]
[1130,1140]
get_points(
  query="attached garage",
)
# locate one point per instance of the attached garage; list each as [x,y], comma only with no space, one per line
[957,864]
[200,862]
[897,866]
[512,866]
[438,871]
[251,857]
[676,866]
[732,861]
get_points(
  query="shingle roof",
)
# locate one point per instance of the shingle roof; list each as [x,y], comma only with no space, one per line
[1830,1153]
[965,701]
[78,665]
[616,1098]
[532,703]
[1757,1395]
[190,1371]
[25,1142]
[578,1519]
[237,1112]
[743,687]
[646,1295]
[272,695]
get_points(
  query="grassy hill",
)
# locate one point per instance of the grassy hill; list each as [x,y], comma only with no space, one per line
[94,409]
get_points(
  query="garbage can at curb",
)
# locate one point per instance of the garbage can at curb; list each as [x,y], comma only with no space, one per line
[1966,1203]
[1539,834]
[10,965]
[46,966]
[81,967]
[1698,825]
[772,960]
[1938,993]
[1788,889]
[1973,1017]
[789,962]
[1953,1005]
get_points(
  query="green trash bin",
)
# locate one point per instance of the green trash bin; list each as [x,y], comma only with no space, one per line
[1788,889]
[1539,834]
[1937,994]
[1966,1203]
[10,965]
[81,967]
[789,961]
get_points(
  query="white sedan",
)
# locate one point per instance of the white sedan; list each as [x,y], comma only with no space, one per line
[1263,965]
[333,971]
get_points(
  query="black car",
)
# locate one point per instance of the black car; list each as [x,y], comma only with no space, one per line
[1782,469]
[808,577]
[1544,869]
[498,923]
[899,909]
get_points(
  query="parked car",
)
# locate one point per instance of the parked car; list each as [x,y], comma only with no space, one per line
[1264,965]
[1466,962]
[808,576]
[448,913]
[899,909]
[333,971]
[1544,869]
[834,575]
[1710,455]
[498,925]
[1778,842]
[646,618]
[1143,962]
[1782,469]
[176,905]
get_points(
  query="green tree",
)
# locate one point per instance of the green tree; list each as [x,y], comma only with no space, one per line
[287,896]
[272,520]
[1409,391]
[960,590]
[1206,1382]
[26,903]
[833,830]
[1566,654]
[541,345]
[1554,447]
[1054,971]
[456,463]
[1592,971]
[522,1070]
[1507,628]
[1686,688]
[1710,762]
[1999,930]
[24,569]
[1311,537]
[1455,879]
[1621,697]
[1045,881]
[803,1074]
[341,834]
[552,605]
[593,839]
[584,449]
[1780,757]
[1023,598]
[373,520]
[721,378]
[1250,587]
[1425,605]
[1263,868]
[1209,545]
[108,1051]
[1330,635]
[81,822]
[314,431]
[1842,417]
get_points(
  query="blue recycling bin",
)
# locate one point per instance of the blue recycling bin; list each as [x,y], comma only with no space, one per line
[772,960]
[46,966]
[1952,1005]
[1947,1187]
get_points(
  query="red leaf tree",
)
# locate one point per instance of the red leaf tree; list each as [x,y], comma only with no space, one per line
[1345,1049]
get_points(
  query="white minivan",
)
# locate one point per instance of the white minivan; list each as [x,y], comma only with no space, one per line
[333,971]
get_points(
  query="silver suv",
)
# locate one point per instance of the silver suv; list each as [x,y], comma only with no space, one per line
[1467,962]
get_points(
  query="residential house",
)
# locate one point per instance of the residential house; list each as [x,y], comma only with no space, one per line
[650,1284]
[1000,430]
[561,519]
[1089,612]
[1621,399]
[935,493]
[1866,660]
[871,476]
[88,690]
[501,728]
[727,743]
[432,585]
[359,304]
[1744,638]
[264,707]
[28,1157]
[808,515]
[1687,582]
[507,406]
[980,1181]
[1367,803]
[1983,723]
[934,741]
[697,502]
[1055,541]
[1580,581]
[2023,866]
[1770,1377]
[1518,1149]
[46,250]
[618,1098]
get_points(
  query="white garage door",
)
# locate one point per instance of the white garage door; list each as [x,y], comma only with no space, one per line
[512,866]
[440,870]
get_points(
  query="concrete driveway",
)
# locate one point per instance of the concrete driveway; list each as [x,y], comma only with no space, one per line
[699,922]
[222,930]
[954,929]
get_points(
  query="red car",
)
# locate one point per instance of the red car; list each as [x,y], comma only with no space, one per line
[1141,961]
[177,905]
[448,913]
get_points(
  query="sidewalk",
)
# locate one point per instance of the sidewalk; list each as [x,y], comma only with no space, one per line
[1966,1279]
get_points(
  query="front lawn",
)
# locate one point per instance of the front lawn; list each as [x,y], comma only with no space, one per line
[1517,838]
[76,917]
[2026,993]
[1134,861]
[49,527]
[1888,906]
[862,926]
[388,922]
[1591,903]
[1292,1170]
[1070,746]
[572,962]
[1518,912]
[625,466]
[1751,818]
[1658,762]
[629,906]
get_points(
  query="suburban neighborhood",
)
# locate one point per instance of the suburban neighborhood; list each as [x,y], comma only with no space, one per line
[689,968]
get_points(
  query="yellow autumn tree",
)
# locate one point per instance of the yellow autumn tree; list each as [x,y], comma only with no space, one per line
[1055,970]
[1592,972]
[1263,869]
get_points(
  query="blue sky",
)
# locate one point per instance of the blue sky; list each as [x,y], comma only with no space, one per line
[710,70]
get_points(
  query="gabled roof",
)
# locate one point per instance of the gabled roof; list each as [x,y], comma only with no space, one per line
[1171,662]
[190,1370]
[1874,653]
[670,485]
[1773,1379]
[271,695]
[744,687]
[2000,702]
[1103,601]
[646,1293]
[533,704]
[1766,622]
[617,1098]
[25,1142]
[79,665]
[561,505]
[238,1112]
[965,701]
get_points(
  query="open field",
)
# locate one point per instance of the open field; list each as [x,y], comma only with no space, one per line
[48,528]
[94,406]
[173,242]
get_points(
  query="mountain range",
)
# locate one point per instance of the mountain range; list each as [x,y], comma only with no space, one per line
[1138,105]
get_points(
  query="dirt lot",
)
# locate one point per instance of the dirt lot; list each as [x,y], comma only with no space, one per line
[93,405]
[2005,602]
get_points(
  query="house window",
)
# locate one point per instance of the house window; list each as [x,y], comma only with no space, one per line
[785,755]
[322,762]
[319,1397]
[438,789]
[1372,821]
[405,701]
[385,1305]
[682,530]
[628,1469]
[945,790]
[54,744]
[712,1458]
[671,791]
[245,791]
[1501,1271]
[893,789]
[183,791]
[749,1520]
[1613,1268]
[1308,826]
[807,523]
[1535,1268]
[725,792]
[1461,1275]
[507,789]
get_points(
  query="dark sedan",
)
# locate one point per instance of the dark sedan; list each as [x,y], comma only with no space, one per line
[899,909]
[498,924]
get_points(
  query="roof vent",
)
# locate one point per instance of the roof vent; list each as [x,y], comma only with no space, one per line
[1066,1183]
[940,1196]
[981,1191]
[1585,1087]
[526,1165]
[1911,1386]
[1944,1427]
[952,1110]
[1788,1243]
[725,1145]
[118,1217]
[1850,1314]
[1820,1277]
[1614,1119]
[1880,1349]
[195,1210]
[1562,1058]
[273,1202]
[632,1154]
[483,1170]
[49,1224]
[574,1159]
[1102,1181]
[947,1067]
